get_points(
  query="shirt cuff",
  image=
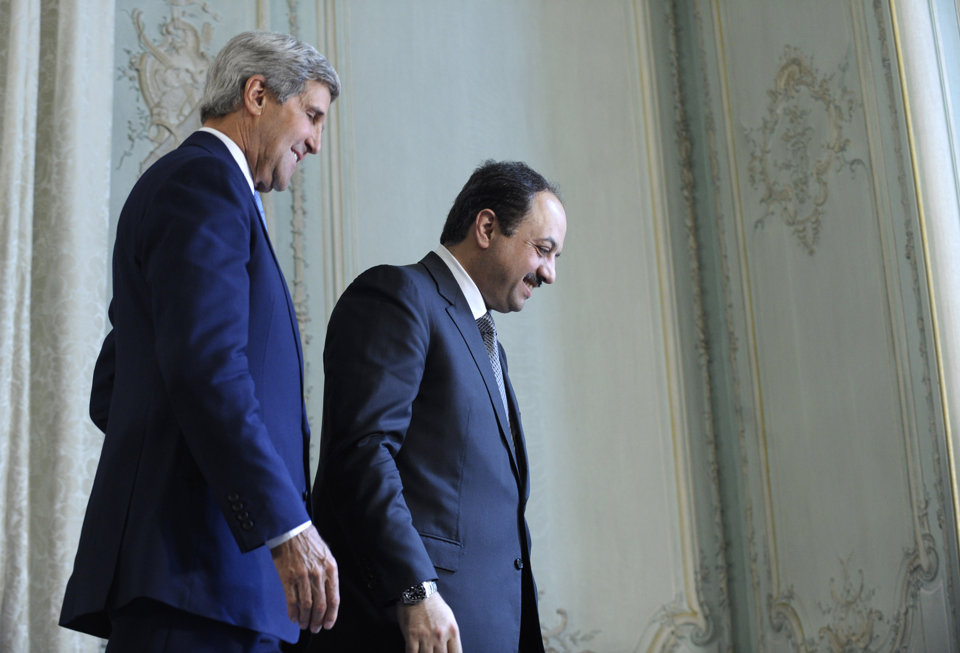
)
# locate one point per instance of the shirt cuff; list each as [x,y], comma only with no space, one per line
[274,542]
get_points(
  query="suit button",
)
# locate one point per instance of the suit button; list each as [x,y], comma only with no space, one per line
[518,563]
[238,506]
[247,525]
[233,496]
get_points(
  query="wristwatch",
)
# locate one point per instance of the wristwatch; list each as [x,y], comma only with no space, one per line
[419,592]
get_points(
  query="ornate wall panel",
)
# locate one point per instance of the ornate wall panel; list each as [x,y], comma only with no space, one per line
[841,443]
[929,49]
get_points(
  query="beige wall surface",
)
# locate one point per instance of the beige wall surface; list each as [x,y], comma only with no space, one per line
[732,394]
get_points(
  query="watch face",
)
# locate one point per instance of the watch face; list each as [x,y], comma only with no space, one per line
[414,594]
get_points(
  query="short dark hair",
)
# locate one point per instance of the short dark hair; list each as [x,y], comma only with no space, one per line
[505,187]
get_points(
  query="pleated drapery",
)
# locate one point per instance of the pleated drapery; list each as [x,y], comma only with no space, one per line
[56,78]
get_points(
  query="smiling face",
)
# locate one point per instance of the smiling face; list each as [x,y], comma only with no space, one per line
[513,266]
[286,134]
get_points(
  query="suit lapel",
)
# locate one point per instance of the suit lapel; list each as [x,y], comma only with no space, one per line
[459,312]
[295,328]
[519,439]
[286,291]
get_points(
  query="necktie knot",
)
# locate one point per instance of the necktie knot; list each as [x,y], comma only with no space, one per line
[489,333]
[487,327]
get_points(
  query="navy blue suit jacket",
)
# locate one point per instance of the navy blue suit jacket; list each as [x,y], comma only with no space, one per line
[418,477]
[199,390]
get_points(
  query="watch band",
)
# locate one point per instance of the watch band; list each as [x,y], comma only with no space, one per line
[419,592]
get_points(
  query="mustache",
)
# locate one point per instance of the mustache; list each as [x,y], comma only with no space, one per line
[534,279]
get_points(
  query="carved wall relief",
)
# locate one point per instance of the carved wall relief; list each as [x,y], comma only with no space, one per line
[561,640]
[170,74]
[800,140]
[851,619]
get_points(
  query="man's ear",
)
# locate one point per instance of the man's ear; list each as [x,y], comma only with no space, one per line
[255,94]
[484,227]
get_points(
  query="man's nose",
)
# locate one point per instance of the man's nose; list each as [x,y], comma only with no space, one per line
[314,141]
[548,271]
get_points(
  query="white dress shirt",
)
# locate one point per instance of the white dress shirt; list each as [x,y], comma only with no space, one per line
[467,285]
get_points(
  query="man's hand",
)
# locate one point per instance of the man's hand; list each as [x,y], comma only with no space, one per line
[429,626]
[309,576]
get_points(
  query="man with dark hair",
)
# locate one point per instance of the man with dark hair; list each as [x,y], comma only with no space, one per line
[197,535]
[423,475]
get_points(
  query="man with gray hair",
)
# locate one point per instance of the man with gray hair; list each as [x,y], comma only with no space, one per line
[197,535]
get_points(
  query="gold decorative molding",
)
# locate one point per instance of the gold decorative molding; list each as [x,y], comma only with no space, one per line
[688,617]
[560,639]
[926,565]
[853,623]
[169,75]
[799,141]
[935,322]
[784,619]
[851,618]
[920,563]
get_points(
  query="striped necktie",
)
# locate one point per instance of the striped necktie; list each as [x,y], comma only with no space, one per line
[489,332]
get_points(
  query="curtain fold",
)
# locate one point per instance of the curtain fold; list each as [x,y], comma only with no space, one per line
[55,148]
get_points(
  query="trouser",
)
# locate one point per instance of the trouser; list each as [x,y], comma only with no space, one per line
[149,626]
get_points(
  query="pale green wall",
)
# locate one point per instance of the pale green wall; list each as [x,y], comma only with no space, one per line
[833,466]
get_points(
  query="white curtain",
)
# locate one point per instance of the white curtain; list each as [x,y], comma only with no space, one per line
[56,85]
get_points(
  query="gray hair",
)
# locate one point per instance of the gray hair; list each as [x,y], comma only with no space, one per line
[286,62]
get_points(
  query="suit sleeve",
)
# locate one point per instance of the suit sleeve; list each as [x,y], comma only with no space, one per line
[376,349]
[194,248]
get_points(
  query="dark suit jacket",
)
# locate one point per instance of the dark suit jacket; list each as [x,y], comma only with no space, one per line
[199,390]
[417,477]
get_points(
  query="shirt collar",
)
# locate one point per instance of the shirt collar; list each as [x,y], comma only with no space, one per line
[235,151]
[467,286]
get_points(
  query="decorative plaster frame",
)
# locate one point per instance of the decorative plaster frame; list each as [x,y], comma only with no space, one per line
[800,198]
[169,76]
[920,564]
[689,616]
[932,140]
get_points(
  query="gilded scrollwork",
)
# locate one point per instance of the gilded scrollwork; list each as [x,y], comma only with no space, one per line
[560,639]
[784,619]
[169,74]
[798,143]
[853,624]
[851,619]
